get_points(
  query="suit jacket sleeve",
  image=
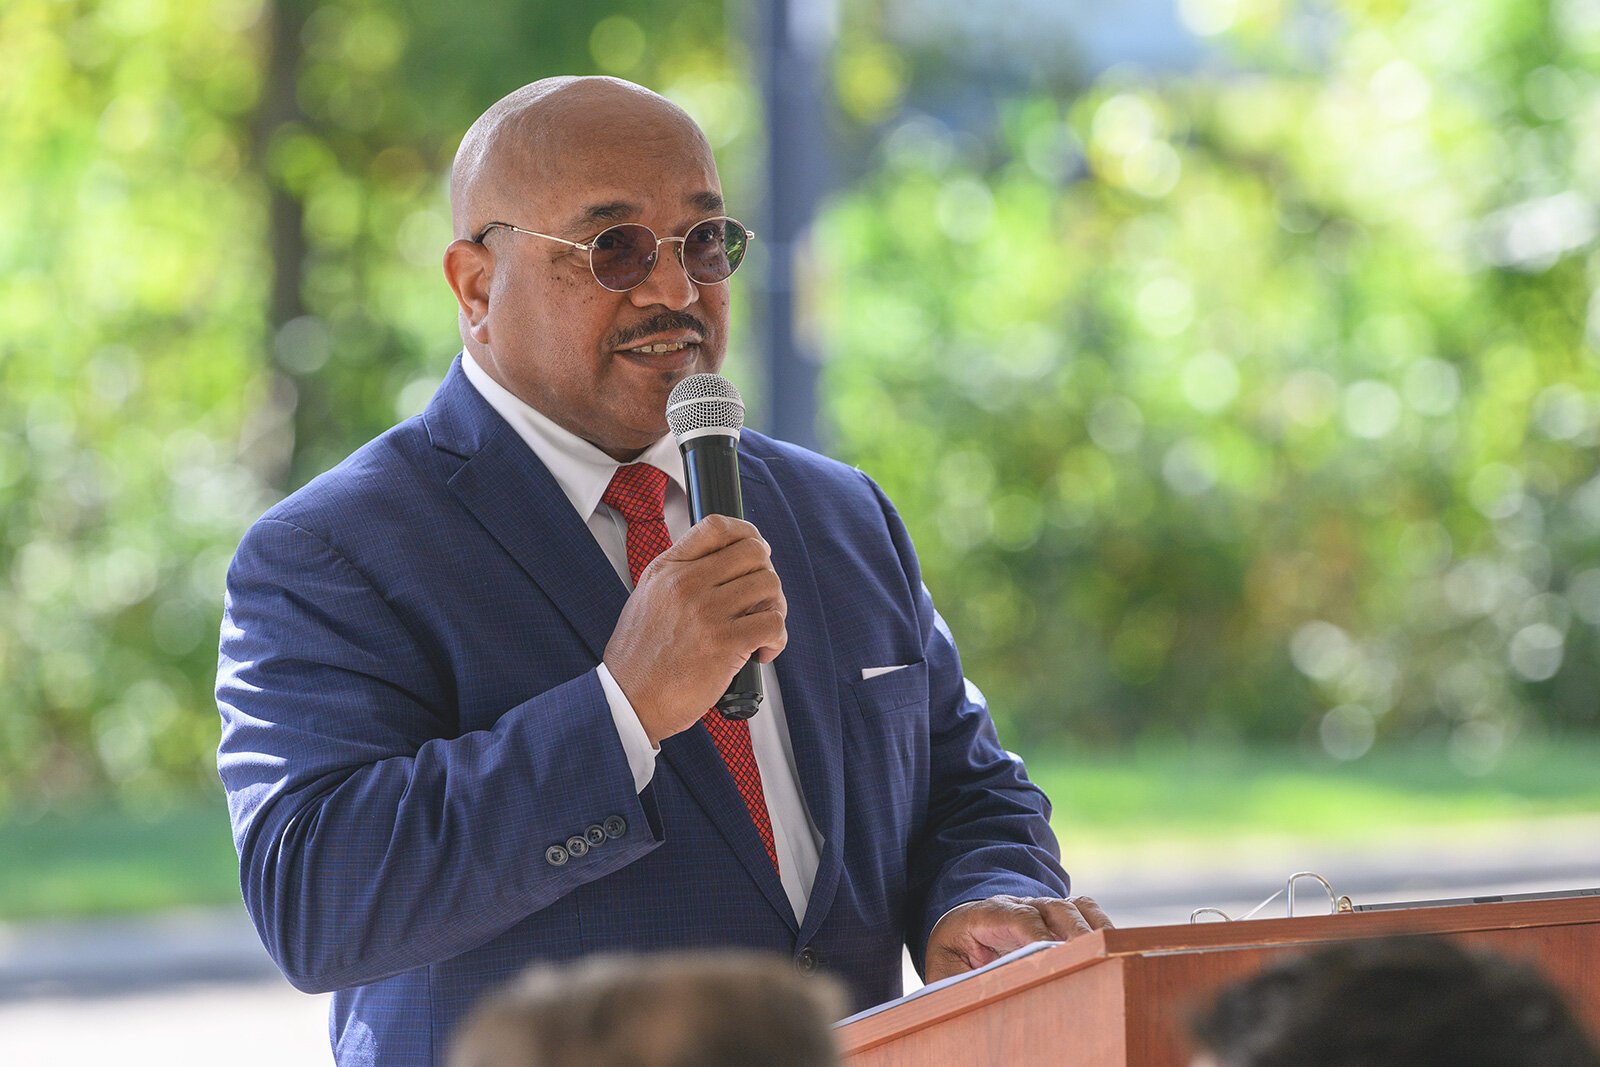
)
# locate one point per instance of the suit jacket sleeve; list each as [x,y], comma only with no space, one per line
[987,827]
[372,837]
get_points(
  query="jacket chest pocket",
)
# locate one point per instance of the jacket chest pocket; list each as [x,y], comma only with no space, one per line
[892,690]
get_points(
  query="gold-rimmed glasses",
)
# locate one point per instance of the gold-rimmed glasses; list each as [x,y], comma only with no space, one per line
[621,257]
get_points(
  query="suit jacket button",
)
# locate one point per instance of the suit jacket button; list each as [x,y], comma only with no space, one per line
[806,962]
[555,855]
[578,846]
[596,835]
[615,826]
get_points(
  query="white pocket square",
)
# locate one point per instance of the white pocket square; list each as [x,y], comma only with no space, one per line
[873,672]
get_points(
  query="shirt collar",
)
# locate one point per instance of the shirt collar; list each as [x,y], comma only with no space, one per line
[581,469]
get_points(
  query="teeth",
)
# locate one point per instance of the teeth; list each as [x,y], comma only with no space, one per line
[675,346]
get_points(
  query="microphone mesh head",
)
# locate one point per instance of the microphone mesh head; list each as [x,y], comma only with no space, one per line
[704,402]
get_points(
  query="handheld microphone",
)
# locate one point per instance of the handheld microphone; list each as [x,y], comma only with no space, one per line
[705,413]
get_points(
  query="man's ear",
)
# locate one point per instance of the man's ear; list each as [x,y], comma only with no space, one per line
[469,268]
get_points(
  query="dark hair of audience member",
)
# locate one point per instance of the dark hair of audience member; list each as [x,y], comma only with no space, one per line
[1413,1001]
[725,1009]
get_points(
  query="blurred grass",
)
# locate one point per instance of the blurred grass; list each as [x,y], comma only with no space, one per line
[1177,793]
[99,862]
[91,861]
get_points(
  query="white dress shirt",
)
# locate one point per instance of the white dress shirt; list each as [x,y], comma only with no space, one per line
[584,472]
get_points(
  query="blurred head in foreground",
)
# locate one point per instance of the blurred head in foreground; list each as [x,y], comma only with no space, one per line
[703,1010]
[1412,1001]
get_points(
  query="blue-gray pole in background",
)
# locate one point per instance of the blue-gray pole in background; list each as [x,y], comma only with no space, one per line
[794,38]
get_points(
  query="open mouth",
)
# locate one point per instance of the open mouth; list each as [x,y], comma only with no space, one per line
[659,347]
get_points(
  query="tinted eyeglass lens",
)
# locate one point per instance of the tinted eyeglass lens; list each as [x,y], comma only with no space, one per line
[713,249]
[622,256]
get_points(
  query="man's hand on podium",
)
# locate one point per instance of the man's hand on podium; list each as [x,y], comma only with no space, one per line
[980,932]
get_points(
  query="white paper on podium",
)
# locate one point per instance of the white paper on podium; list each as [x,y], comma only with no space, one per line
[945,983]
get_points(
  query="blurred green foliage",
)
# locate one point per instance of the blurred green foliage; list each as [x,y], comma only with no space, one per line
[1258,401]
[1252,403]
[220,234]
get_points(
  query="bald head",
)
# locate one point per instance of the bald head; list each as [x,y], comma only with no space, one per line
[514,148]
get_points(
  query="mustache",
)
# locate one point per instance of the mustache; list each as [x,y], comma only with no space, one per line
[665,322]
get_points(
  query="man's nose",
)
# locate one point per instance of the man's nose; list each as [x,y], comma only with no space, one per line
[669,284]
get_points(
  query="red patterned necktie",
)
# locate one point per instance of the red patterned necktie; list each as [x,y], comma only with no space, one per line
[637,491]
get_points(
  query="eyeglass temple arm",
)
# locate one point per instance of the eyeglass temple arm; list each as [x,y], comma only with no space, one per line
[531,233]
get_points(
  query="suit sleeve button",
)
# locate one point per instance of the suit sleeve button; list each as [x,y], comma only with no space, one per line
[596,835]
[578,846]
[555,855]
[615,826]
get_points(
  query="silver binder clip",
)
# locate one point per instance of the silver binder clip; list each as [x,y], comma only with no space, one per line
[1333,899]
[1335,903]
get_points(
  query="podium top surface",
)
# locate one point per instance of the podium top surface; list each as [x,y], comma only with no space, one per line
[1314,929]
[1086,951]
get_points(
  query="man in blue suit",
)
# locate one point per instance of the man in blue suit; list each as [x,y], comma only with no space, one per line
[464,675]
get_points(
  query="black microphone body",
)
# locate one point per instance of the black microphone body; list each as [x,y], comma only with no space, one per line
[711,472]
[711,469]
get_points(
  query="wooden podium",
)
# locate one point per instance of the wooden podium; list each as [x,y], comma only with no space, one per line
[1124,996]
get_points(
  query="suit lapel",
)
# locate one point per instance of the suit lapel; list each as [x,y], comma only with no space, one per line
[806,675]
[519,502]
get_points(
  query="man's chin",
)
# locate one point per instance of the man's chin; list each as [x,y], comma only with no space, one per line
[633,433]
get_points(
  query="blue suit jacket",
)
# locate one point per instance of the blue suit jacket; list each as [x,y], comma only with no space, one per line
[411,718]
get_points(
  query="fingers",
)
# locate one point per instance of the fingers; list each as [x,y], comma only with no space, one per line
[756,591]
[1071,918]
[716,551]
[1093,913]
[734,561]
[763,628]
[1062,917]
[766,632]
[710,534]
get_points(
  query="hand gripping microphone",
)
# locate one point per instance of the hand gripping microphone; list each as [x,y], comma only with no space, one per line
[705,414]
